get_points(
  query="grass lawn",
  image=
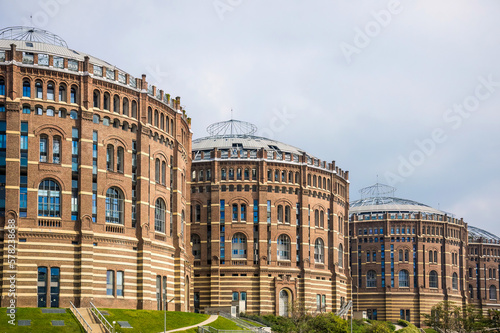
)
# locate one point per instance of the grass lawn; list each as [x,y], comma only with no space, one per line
[145,321]
[251,322]
[221,323]
[40,322]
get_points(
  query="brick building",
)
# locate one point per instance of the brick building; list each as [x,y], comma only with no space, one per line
[93,166]
[267,224]
[483,269]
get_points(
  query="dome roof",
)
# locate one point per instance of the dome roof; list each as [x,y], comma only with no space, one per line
[390,205]
[239,134]
[36,40]
[476,233]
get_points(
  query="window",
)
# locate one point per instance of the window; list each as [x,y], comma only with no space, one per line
[49,199]
[160,215]
[223,174]
[26,109]
[404,278]
[197,213]
[62,93]
[73,95]
[319,251]
[400,255]
[97,99]
[195,239]
[433,279]
[243,212]
[454,281]
[493,292]
[341,255]
[106,101]
[235,212]
[56,146]
[26,88]
[114,206]
[371,279]
[2,87]
[73,114]
[110,155]
[43,148]
[287,214]
[50,91]
[119,159]
[239,246]
[280,213]
[110,283]
[283,247]
[119,283]
[39,90]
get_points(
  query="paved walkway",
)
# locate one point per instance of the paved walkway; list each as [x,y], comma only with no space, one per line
[212,318]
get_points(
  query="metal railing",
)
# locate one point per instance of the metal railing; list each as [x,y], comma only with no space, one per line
[100,317]
[209,329]
[80,318]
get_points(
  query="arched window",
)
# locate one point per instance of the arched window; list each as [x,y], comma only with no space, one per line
[97,99]
[341,256]
[163,173]
[297,179]
[134,109]
[183,219]
[471,291]
[116,123]
[290,177]
[239,246]
[269,175]
[114,206]
[235,212]
[283,247]
[96,119]
[314,181]
[407,255]
[62,93]
[56,149]
[321,219]
[73,95]
[106,101]
[223,174]
[454,281]
[433,279]
[284,303]
[276,175]
[119,159]
[39,89]
[156,118]
[110,157]
[231,174]
[430,256]
[435,256]
[2,87]
[287,214]
[371,279]
[400,255]
[157,170]
[404,278]
[246,174]
[319,251]
[49,199]
[162,121]
[316,218]
[160,215]
[280,213]
[125,107]
[195,239]
[50,91]
[116,104]
[283,176]
[50,112]
[493,292]
[26,88]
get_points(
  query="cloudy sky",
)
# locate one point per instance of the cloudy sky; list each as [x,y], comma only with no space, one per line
[408,91]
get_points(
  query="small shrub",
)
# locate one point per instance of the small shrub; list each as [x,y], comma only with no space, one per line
[379,327]
[403,323]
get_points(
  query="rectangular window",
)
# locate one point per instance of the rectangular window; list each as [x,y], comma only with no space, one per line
[268,211]
[110,283]
[222,211]
[119,283]
[256,211]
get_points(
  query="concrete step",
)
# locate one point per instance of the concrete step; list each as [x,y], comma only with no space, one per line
[91,320]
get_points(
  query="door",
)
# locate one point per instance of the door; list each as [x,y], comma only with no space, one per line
[283,303]
[42,287]
[243,302]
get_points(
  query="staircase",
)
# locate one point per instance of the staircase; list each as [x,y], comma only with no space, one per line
[95,325]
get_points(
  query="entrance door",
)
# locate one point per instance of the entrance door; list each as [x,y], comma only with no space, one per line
[283,303]
[243,302]
[42,287]
[158,293]
[54,287]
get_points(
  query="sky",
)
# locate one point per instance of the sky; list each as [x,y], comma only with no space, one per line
[406,93]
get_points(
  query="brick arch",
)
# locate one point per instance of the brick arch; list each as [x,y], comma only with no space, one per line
[44,128]
[110,140]
[283,201]
[42,176]
[115,184]
[238,200]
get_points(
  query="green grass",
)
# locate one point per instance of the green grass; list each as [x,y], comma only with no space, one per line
[145,321]
[40,322]
[251,322]
[429,330]
[224,324]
